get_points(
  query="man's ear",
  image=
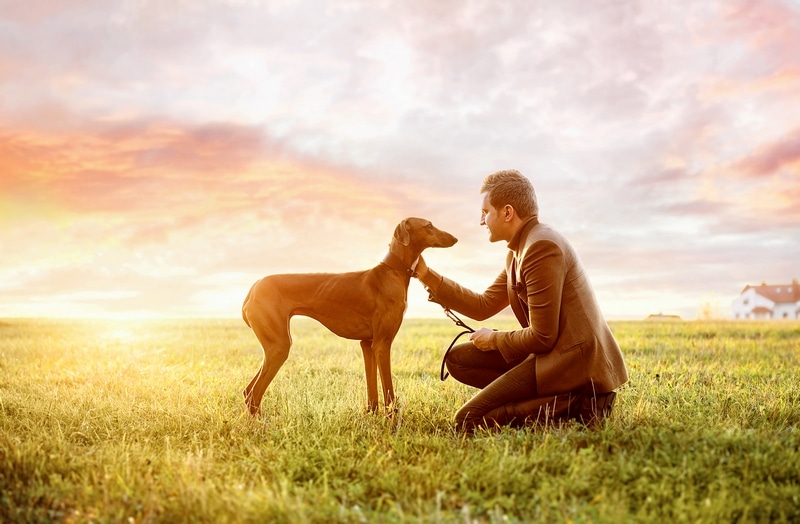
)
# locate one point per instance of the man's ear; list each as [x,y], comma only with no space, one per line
[401,233]
[508,212]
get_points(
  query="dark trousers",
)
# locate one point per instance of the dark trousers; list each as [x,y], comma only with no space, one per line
[508,394]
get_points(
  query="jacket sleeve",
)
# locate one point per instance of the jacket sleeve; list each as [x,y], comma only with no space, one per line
[543,270]
[478,306]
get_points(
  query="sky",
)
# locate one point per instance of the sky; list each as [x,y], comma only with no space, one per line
[157,157]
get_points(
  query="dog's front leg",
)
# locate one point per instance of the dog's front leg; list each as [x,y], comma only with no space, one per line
[371,369]
[383,355]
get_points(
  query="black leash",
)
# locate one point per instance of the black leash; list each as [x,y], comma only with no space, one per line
[460,323]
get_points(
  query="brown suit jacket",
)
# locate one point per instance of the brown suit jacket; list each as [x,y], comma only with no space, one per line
[562,326]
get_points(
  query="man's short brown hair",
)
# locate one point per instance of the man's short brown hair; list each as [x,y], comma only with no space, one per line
[511,187]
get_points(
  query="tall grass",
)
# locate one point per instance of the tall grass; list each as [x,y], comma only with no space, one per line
[144,422]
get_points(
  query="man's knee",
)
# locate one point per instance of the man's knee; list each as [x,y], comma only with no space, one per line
[458,361]
[455,368]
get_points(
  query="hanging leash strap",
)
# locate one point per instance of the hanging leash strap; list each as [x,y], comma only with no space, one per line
[443,374]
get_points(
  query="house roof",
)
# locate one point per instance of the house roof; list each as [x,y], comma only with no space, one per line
[778,293]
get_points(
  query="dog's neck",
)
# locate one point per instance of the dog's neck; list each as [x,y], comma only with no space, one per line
[397,262]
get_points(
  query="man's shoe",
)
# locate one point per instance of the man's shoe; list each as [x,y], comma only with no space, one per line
[596,407]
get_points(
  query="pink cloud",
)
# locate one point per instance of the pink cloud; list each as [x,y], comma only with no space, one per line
[769,159]
[146,185]
[769,26]
[132,167]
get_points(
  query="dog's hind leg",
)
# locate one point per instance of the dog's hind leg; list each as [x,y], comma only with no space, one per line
[371,369]
[249,387]
[274,337]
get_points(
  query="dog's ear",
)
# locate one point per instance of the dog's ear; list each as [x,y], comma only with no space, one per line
[401,233]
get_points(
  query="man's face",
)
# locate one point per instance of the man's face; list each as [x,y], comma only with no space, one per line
[491,218]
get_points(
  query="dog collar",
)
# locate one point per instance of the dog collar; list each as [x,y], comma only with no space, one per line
[394,262]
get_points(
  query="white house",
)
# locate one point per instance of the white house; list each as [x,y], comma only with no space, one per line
[781,301]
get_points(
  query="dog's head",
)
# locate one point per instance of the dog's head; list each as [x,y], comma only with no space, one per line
[422,233]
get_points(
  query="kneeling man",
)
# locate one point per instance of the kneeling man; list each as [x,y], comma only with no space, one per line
[564,363]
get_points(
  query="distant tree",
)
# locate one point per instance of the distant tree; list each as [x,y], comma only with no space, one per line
[709,309]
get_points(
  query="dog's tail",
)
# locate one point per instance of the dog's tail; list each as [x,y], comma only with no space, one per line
[244,304]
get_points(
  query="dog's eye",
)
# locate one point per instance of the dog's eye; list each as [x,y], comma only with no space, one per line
[429,226]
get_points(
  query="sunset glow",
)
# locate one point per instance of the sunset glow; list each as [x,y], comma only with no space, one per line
[158,158]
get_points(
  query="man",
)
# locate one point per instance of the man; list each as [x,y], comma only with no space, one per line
[564,362]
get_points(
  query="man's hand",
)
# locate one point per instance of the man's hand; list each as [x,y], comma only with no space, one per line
[421,268]
[481,339]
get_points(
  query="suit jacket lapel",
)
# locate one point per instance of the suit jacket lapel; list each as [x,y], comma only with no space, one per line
[519,306]
[520,309]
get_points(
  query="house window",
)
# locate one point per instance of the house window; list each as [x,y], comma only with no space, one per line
[746,301]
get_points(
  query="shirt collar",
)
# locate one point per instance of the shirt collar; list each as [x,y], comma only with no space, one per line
[513,244]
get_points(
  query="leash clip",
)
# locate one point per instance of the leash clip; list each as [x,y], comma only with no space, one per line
[458,322]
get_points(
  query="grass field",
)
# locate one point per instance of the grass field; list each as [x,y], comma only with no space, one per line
[144,422]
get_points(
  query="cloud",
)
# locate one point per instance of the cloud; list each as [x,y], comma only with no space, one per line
[130,167]
[769,159]
[769,27]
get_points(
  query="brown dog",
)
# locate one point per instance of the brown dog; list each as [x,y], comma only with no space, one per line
[363,305]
